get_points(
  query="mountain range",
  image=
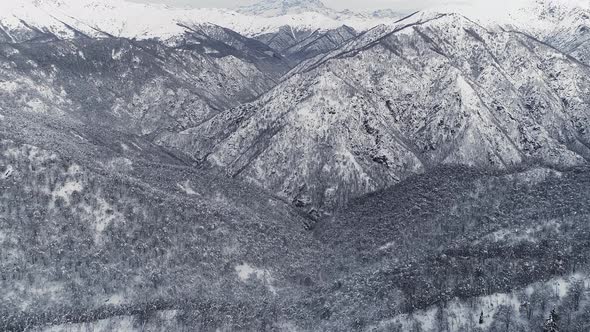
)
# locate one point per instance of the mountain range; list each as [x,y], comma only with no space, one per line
[285,166]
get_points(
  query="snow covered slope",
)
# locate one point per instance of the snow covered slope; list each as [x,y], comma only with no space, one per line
[563,24]
[435,89]
[140,86]
[133,20]
[300,45]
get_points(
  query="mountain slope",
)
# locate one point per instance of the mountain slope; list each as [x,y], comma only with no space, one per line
[298,46]
[434,90]
[141,86]
[67,18]
[440,250]
[272,8]
[97,223]
[284,38]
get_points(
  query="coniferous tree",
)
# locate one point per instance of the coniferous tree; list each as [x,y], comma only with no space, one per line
[551,323]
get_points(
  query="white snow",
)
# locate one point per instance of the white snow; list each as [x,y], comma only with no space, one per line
[115,300]
[117,55]
[186,188]
[9,86]
[245,272]
[120,164]
[136,20]
[460,313]
[118,323]
[386,246]
[67,189]
[209,50]
[37,106]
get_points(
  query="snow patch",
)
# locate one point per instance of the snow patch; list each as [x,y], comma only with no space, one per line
[118,323]
[526,234]
[101,215]
[9,87]
[460,313]
[66,191]
[186,188]
[117,55]
[386,246]
[209,50]
[245,272]
[120,164]
[37,106]
[115,300]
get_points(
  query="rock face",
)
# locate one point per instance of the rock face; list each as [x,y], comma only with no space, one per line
[435,89]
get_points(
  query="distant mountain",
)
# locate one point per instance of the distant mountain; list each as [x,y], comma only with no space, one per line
[272,8]
[565,27]
[285,37]
[433,90]
[290,167]
[143,87]
[96,18]
[301,45]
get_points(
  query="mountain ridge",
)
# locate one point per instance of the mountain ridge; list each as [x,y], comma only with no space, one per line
[392,141]
[201,169]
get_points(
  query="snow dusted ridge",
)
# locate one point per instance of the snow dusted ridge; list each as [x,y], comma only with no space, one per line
[133,20]
[121,18]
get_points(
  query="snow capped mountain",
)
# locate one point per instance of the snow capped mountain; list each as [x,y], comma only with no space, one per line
[563,24]
[435,89]
[162,168]
[337,68]
[300,45]
[127,19]
[272,8]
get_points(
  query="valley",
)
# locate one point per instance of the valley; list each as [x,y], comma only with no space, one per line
[220,170]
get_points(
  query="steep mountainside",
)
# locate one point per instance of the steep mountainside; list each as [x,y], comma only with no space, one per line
[96,223]
[435,89]
[563,24]
[284,38]
[272,8]
[456,243]
[290,167]
[141,86]
[298,46]
[121,18]
[456,249]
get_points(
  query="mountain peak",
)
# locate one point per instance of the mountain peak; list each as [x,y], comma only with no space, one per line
[283,7]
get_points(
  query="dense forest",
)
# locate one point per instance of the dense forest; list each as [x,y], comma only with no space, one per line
[159,245]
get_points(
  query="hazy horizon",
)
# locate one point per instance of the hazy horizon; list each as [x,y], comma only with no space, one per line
[399,5]
[477,8]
